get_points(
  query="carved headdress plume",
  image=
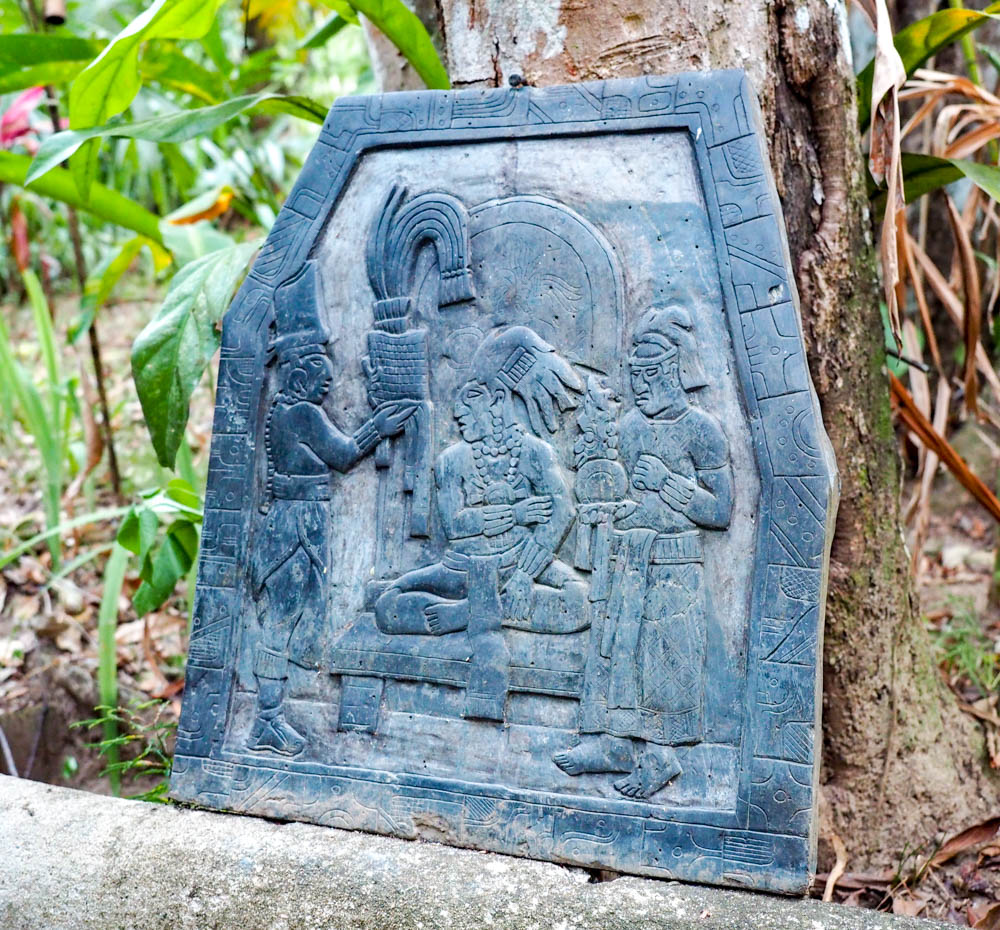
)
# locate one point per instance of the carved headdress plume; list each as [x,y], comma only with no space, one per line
[518,361]
[664,333]
[298,328]
[398,235]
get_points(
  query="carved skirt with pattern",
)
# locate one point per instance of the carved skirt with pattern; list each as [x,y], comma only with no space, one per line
[645,664]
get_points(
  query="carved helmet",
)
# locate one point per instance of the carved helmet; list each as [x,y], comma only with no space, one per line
[663,333]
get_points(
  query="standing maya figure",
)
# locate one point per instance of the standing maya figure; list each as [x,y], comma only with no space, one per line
[643,683]
[290,555]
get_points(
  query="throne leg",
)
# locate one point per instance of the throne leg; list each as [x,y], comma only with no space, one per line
[489,672]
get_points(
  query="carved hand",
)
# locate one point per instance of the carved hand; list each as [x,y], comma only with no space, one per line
[518,591]
[498,518]
[533,510]
[625,509]
[678,490]
[649,473]
[390,418]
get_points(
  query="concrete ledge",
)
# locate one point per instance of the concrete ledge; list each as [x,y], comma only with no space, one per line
[76,861]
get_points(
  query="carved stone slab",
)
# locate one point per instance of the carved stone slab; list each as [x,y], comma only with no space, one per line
[520,504]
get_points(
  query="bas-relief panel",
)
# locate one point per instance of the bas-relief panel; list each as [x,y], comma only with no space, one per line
[508,564]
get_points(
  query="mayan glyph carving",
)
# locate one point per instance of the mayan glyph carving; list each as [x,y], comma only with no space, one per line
[519,499]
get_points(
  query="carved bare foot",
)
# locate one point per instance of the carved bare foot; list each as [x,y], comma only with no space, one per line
[276,735]
[656,767]
[592,754]
[445,618]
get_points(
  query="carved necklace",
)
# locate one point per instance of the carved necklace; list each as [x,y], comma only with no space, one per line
[505,441]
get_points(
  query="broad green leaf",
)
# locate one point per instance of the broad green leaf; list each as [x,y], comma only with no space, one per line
[193,240]
[344,8]
[918,42]
[104,203]
[164,64]
[53,72]
[181,491]
[25,50]
[109,83]
[171,353]
[173,127]
[405,30]
[324,32]
[215,48]
[923,174]
[31,60]
[138,531]
[172,562]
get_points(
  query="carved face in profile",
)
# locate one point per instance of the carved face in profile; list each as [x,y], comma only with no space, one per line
[656,385]
[310,378]
[474,411]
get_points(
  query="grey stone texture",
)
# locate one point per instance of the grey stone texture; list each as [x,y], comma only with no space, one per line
[76,861]
[519,500]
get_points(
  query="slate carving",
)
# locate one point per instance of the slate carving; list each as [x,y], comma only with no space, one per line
[519,500]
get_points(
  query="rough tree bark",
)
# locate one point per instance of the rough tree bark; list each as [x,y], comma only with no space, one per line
[900,762]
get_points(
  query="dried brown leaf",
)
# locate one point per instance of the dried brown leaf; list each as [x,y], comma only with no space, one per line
[969,838]
[884,160]
[972,307]
[921,427]
[955,309]
[916,280]
[907,905]
[990,920]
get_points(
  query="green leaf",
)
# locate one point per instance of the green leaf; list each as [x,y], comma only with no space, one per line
[181,491]
[104,203]
[405,30]
[166,65]
[109,83]
[923,174]
[25,50]
[138,532]
[193,240]
[324,32]
[172,562]
[171,353]
[918,42]
[344,8]
[107,651]
[30,60]
[173,127]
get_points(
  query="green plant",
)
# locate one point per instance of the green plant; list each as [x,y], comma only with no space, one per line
[42,408]
[965,651]
[139,746]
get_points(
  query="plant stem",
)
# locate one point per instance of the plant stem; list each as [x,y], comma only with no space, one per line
[73,222]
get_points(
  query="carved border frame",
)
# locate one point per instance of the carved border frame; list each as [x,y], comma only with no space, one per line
[768,841]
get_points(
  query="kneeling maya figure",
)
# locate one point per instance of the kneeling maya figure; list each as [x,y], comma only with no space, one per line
[519,500]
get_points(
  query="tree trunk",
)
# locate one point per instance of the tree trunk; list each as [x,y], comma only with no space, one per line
[900,762]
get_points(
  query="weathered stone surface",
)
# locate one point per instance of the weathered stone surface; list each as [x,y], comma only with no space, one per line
[76,861]
[519,500]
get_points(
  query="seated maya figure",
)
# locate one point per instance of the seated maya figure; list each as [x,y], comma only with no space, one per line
[505,506]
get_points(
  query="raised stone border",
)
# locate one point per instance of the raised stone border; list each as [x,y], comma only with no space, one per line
[76,861]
